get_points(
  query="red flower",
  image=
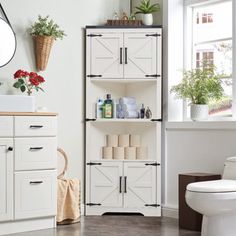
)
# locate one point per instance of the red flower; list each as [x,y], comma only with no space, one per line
[40,79]
[20,73]
[34,81]
[33,74]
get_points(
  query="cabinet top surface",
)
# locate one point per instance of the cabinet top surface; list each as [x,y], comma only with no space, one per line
[122,27]
[28,114]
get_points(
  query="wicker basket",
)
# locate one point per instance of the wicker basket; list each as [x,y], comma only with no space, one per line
[43,45]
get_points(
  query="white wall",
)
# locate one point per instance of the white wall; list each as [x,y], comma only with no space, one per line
[191,149]
[64,87]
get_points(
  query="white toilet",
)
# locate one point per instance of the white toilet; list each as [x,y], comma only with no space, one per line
[216,201]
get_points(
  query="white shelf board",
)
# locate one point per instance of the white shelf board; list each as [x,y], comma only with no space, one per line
[99,80]
[124,120]
[124,160]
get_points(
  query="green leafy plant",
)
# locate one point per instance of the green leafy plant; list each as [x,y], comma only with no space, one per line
[200,85]
[146,7]
[46,27]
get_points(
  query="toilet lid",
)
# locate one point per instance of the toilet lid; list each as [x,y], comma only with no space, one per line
[216,186]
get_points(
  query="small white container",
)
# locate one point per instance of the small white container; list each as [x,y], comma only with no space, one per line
[118,153]
[124,140]
[112,140]
[147,19]
[142,153]
[199,112]
[130,153]
[107,153]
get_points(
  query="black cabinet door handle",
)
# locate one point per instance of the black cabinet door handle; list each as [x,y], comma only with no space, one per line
[126,56]
[125,190]
[36,148]
[121,56]
[36,182]
[120,187]
[36,126]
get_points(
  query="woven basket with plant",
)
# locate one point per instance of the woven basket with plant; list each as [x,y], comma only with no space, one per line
[44,32]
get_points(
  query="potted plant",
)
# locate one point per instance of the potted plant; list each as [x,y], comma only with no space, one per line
[199,86]
[44,32]
[146,9]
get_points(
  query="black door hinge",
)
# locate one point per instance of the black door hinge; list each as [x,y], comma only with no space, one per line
[153,35]
[94,76]
[152,164]
[94,35]
[155,75]
[94,164]
[88,119]
[93,204]
[156,120]
[152,205]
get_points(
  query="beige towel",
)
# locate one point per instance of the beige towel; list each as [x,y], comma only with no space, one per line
[68,200]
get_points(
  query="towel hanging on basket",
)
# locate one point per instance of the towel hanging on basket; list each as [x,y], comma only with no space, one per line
[68,196]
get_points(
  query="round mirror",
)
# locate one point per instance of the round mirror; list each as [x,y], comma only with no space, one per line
[7,43]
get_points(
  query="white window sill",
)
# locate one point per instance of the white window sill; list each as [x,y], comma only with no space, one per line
[211,124]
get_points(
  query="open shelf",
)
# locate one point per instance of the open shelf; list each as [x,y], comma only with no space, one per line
[96,137]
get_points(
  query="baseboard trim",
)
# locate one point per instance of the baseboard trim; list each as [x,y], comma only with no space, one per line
[170,212]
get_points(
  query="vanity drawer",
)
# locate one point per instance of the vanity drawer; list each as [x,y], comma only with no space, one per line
[35,194]
[35,153]
[35,126]
[6,126]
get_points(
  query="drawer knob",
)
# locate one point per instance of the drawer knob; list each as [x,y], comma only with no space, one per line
[36,126]
[10,149]
[36,182]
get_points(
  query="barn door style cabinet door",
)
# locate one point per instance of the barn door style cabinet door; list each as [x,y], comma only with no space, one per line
[123,62]
[126,54]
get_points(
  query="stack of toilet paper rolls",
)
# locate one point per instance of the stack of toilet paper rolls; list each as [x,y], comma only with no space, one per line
[124,146]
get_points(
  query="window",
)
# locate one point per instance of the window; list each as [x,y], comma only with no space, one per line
[211,41]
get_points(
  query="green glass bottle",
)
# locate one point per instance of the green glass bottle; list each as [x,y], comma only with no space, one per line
[107,107]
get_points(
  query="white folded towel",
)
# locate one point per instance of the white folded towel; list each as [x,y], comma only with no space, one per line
[131,114]
[127,100]
[129,107]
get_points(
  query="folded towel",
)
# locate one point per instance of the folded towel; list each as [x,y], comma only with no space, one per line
[127,100]
[129,107]
[68,200]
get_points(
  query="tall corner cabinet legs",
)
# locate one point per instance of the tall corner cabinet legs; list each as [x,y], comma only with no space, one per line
[123,62]
[28,162]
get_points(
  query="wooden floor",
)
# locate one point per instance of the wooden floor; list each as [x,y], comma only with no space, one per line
[117,226]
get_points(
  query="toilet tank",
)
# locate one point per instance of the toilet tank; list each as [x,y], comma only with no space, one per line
[230,169]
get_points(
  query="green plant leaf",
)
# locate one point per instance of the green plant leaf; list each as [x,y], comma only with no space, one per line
[23,88]
[21,81]
[17,84]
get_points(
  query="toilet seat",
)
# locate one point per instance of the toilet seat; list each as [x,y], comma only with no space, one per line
[216,186]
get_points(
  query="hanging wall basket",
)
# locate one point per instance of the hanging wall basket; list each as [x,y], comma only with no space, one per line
[43,45]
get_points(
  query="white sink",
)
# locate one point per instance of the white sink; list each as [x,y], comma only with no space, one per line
[17,103]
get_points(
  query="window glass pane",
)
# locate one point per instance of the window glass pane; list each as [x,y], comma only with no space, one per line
[212,42]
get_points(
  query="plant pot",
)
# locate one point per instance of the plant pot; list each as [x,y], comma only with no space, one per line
[147,19]
[43,45]
[199,112]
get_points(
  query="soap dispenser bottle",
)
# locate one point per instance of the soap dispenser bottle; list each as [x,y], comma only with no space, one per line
[107,107]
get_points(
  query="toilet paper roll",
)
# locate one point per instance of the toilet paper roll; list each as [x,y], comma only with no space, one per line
[142,153]
[118,153]
[112,140]
[107,153]
[130,153]
[124,140]
[135,140]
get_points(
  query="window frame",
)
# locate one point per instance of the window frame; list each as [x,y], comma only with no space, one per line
[188,61]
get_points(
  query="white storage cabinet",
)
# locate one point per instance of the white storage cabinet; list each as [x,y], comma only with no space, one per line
[123,62]
[28,160]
